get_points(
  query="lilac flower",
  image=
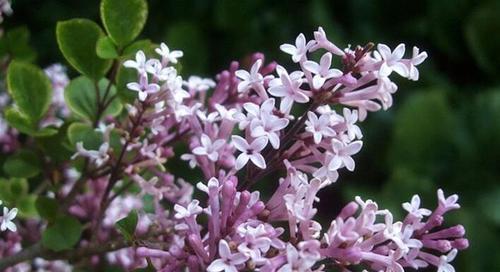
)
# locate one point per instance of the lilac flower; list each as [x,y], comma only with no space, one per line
[143,87]
[168,56]
[445,260]
[268,127]
[416,59]
[249,151]
[198,84]
[252,80]
[447,203]
[6,222]
[392,60]
[323,42]
[228,262]
[319,127]
[299,50]
[414,209]
[192,209]
[209,148]
[353,131]
[99,157]
[287,86]
[343,153]
[139,64]
[321,70]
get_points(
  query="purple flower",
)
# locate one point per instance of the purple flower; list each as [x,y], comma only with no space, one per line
[249,151]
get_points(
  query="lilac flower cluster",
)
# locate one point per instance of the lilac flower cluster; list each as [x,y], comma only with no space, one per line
[240,129]
[237,229]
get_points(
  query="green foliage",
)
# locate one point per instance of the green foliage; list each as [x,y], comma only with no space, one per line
[47,207]
[15,45]
[81,97]
[80,132]
[124,19]
[23,164]
[63,234]
[127,225]
[106,49]
[77,40]
[14,191]
[30,88]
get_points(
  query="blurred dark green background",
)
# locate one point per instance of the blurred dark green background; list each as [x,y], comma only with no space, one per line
[443,131]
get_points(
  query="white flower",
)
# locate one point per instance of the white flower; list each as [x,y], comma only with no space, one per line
[227,261]
[416,59]
[168,56]
[444,262]
[139,63]
[350,118]
[250,80]
[322,71]
[143,87]
[192,209]
[209,148]
[287,86]
[343,153]
[414,208]
[319,127]
[448,203]
[7,218]
[269,127]
[392,60]
[249,151]
[198,84]
[298,51]
[99,157]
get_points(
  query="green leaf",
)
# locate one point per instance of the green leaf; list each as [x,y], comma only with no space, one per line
[30,89]
[19,121]
[26,206]
[77,39]
[79,132]
[127,225]
[80,96]
[106,48]
[23,164]
[47,207]
[15,43]
[63,234]
[124,19]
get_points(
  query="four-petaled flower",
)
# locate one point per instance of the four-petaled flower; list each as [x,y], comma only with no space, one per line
[392,60]
[444,262]
[227,261]
[249,151]
[343,153]
[209,148]
[193,208]
[168,56]
[287,86]
[139,64]
[252,80]
[99,157]
[319,127]
[143,87]
[414,209]
[299,50]
[322,70]
[7,218]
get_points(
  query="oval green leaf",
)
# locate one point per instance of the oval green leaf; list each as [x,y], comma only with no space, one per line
[63,234]
[23,164]
[77,39]
[80,96]
[124,19]
[30,88]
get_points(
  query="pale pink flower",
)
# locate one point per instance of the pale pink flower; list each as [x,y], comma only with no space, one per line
[168,56]
[343,153]
[193,208]
[299,50]
[6,222]
[287,86]
[250,80]
[321,70]
[249,151]
[227,261]
[139,63]
[414,209]
[143,87]
[319,127]
[392,60]
[209,148]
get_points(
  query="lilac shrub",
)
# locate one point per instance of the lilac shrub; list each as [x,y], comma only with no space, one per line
[296,128]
